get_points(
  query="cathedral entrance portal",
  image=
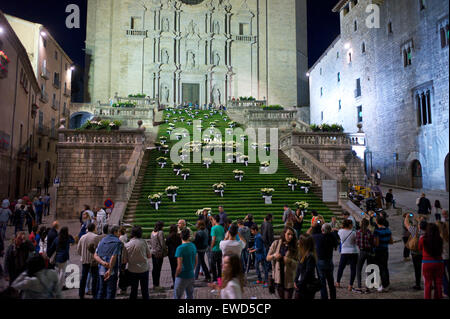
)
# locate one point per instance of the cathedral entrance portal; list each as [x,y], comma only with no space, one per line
[416,174]
[191,93]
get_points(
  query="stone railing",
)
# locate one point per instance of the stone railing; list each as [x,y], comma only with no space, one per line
[357,139]
[138,100]
[320,139]
[98,138]
[245,38]
[245,104]
[269,119]
[123,112]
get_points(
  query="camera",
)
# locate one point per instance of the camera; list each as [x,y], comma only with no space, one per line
[318,222]
[411,215]
[375,214]
[362,213]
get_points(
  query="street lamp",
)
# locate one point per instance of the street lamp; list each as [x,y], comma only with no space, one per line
[347,46]
[1,30]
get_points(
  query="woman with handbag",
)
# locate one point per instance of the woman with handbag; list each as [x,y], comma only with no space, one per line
[284,255]
[416,227]
[306,282]
[349,253]
[159,249]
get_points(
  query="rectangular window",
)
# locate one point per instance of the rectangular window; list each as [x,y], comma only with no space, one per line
[244,29]
[337,55]
[423,101]
[358,88]
[56,55]
[422,5]
[41,120]
[321,91]
[321,116]
[444,35]
[360,115]
[339,77]
[355,26]
[390,27]
[340,105]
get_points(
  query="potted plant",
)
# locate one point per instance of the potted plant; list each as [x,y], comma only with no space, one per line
[177,167]
[244,159]
[254,146]
[219,188]
[267,195]
[267,147]
[172,191]
[238,174]
[305,185]
[155,199]
[264,166]
[292,182]
[162,161]
[231,124]
[302,205]
[185,172]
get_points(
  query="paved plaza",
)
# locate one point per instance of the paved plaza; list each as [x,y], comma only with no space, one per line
[401,273]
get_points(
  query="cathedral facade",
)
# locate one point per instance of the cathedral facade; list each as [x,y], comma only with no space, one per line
[197,51]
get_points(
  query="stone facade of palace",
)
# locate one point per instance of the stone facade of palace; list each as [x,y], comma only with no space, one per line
[204,51]
[394,80]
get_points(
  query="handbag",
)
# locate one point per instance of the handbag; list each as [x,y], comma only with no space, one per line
[342,243]
[413,242]
[315,285]
[271,279]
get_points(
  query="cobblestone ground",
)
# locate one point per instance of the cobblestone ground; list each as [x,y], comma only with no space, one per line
[401,272]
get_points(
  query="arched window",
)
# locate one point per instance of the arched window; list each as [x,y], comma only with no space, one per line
[363,47]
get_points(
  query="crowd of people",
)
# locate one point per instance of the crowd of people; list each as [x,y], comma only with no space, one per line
[298,264]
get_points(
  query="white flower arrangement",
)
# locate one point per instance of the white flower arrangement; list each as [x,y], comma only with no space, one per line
[171,190]
[305,183]
[154,198]
[200,211]
[185,172]
[238,174]
[267,191]
[219,186]
[265,164]
[301,205]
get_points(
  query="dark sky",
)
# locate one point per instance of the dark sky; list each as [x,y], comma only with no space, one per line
[323,25]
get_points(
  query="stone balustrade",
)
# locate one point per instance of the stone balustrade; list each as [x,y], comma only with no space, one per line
[128,137]
[245,104]
[138,100]
[121,112]
[322,138]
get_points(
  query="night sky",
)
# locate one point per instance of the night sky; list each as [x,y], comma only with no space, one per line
[323,25]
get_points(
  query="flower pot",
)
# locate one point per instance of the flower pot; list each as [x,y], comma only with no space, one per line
[292,186]
[267,199]
[162,164]
[185,176]
[173,196]
[219,191]
[156,204]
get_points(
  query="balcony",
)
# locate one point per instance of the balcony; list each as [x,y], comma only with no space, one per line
[45,74]
[245,38]
[44,97]
[357,92]
[136,33]
[67,92]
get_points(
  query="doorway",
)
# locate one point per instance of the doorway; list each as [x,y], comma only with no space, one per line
[191,93]
[416,168]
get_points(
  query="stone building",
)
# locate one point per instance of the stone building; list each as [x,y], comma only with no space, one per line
[19,92]
[394,80]
[204,51]
[52,69]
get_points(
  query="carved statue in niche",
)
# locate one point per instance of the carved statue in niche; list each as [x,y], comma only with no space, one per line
[165,93]
[164,56]
[191,29]
[216,27]
[165,25]
[216,59]
[190,60]
[216,95]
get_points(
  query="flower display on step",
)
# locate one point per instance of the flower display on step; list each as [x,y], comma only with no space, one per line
[301,205]
[265,164]
[170,190]
[161,160]
[219,186]
[200,211]
[267,191]
[155,198]
[292,181]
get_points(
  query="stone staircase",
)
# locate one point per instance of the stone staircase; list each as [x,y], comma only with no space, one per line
[316,189]
[134,199]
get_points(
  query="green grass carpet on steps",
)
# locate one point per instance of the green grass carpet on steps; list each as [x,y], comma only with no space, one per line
[240,198]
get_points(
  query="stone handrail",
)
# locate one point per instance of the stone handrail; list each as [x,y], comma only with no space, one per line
[302,126]
[245,104]
[125,182]
[121,112]
[124,137]
[323,138]
[271,115]
[139,100]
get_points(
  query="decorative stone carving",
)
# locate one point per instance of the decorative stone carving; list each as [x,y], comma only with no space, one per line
[164,56]
[165,92]
[165,25]
[216,59]
[190,60]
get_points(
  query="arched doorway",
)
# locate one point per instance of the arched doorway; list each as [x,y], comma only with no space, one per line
[416,169]
[447,169]
[79,118]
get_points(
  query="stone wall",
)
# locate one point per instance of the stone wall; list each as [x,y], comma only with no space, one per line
[388,88]
[89,168]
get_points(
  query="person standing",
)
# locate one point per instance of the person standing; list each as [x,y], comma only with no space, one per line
[158,248]
[405,237]
[382,239]
[298,221]
[88,264]
[349,253]
[244,235]
[173,240]
[230,245]
[260,256]
[284,254]
[431,246]
[109,255]
[138,254]
[232,280]
[437,210]
[390,200]
[416,227]
[38,209]
[424,205]
[101,219]
[217,234]
[61,247]
[378,177]
[286,214]
[326,243]
[364,241]
[306,270]
[5,215]
[186,255]
[443,231]
[223,216]
[47,200]
[52,235]
[19,219]
[16,256]
[248,221]
[37,282]
[201,244]
[267,235]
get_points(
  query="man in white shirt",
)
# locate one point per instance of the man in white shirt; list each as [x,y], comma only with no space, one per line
[101,219]
[230,246]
